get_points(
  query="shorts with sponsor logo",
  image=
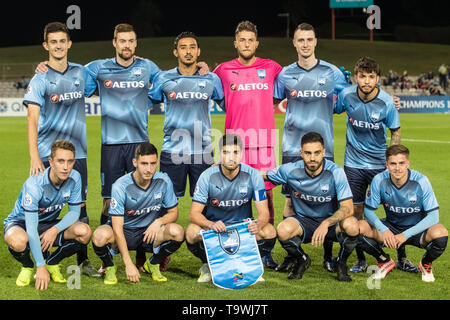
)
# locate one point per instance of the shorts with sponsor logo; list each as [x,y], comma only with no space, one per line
[285,189]
[42,227]
[309,226]
[359,180]
[135,238]
[396,229]
[179,168]
[262,159]
[116,161]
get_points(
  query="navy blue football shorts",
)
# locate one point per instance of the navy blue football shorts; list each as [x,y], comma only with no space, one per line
[359,180]
[309,226]
[179,168]
[116,161]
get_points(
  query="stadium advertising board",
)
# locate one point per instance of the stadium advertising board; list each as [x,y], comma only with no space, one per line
[13,107]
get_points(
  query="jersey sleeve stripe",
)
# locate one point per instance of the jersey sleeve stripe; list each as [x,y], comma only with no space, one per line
[431,210]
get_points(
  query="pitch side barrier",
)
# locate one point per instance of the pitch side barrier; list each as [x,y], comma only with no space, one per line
[13,107]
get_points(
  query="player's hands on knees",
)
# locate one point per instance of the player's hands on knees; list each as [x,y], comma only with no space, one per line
[36,167]
[132,272]
[42,67]
[48,237]
[389,239]
[400,238]
[253,228]
[218,226]
[319,235]
[42,278]
[152,231]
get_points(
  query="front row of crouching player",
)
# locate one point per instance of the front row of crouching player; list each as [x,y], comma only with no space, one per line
[144,210]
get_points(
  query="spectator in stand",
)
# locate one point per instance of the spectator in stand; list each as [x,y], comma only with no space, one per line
[23,84]
[405,81]
[443,73]
[435,90]
[430,75]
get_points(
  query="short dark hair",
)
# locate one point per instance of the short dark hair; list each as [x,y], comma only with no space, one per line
[123,27]
[145,149]
[367,64]
[61,144]
[230,139]
[185,34]
[53,27]
[305,27]
[312,137]
[397,149]
[246,26]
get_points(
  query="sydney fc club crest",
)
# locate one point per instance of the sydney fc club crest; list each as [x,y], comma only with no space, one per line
[230,241]
[261,73]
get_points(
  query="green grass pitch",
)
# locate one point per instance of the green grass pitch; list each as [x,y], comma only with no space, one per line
[428,137]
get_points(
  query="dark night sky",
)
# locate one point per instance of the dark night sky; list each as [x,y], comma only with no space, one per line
[23,22]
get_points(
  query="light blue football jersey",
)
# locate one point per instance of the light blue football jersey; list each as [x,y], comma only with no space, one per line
[310,103]
[40,196]
[366,127]
[61,99]
[316,197]
[405,206]
[187,121]
[140,207]
[229,200]
[124,98]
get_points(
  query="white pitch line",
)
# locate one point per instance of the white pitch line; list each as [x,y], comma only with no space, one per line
[426,141]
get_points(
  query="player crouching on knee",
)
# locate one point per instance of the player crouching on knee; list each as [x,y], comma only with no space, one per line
[143,212]
[412,215]
[223,196]
[322,204]
[33,224]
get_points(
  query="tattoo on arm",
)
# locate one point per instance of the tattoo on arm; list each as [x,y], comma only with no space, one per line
[395,137]
[339,215]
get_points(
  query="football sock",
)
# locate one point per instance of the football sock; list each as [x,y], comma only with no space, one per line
[348,244]
[265,246]
[372,247]
[434,250]
[23,257]
[198,250]
[293,247]
[67,249]
[104,254]
[401,252]
[327,249]
[360,254]
[165,249]
[269,194]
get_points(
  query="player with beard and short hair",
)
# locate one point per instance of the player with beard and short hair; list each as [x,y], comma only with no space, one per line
[248,83]
[223,196]
[323,206]
[187,147]
[370,110]
[412,215]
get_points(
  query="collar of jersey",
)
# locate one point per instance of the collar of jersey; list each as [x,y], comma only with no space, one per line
[308,70]
[61,73]
[407,180]
[135,183]
[220,169]
[115,61]
[378,93]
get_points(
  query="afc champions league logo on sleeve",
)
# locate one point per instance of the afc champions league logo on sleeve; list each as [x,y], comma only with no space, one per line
[27,200]
[230,241]
[113,203]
